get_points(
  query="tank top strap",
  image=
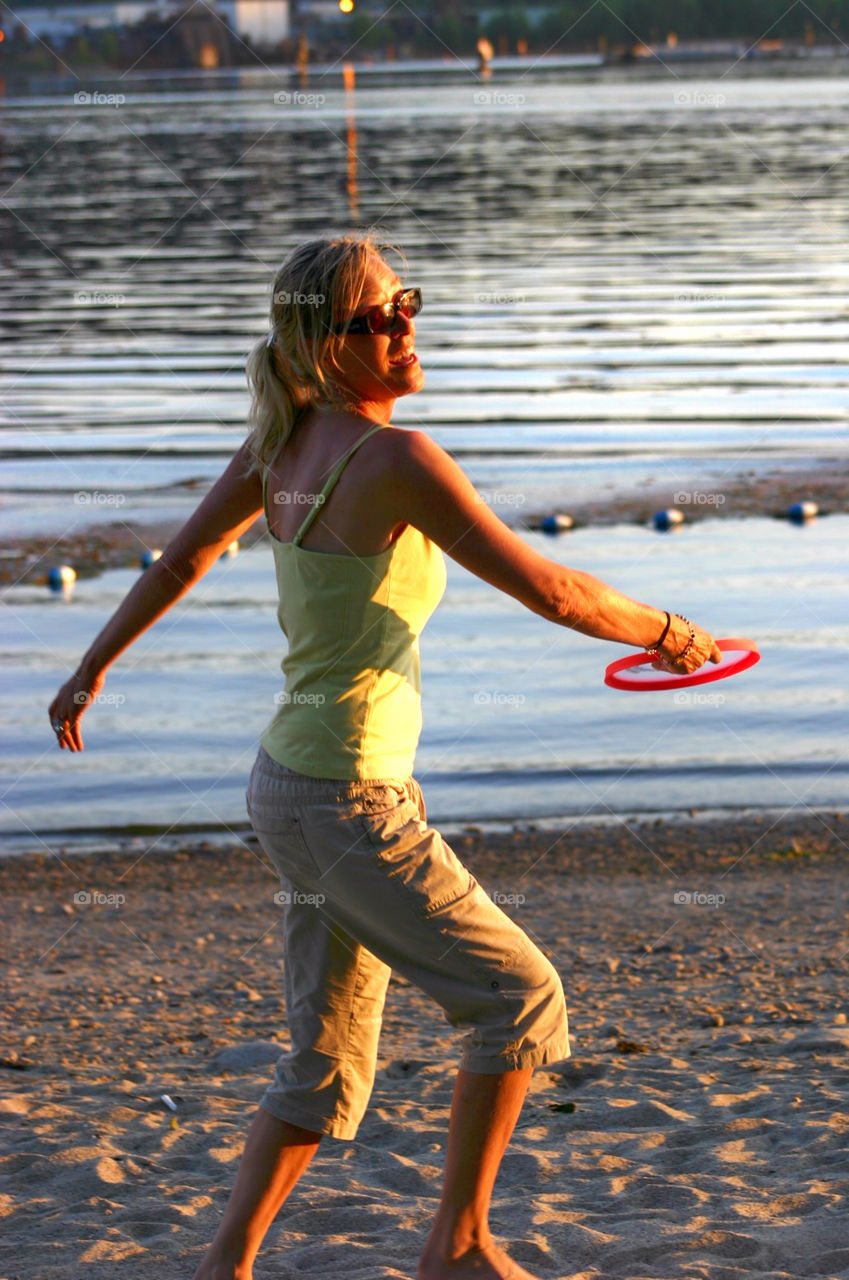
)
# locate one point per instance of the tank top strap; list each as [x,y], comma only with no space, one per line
[331,481]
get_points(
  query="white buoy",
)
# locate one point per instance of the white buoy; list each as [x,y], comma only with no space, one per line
[230,551]
[802,511]
[556,523]
[61,575]
[668,519]
[149,556]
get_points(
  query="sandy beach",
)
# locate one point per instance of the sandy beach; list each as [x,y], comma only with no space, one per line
[698,1130]
[118,543]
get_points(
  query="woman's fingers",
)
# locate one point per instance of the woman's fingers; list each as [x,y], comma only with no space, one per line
[67,707]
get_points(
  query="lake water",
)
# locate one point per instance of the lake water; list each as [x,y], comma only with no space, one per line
[629,280]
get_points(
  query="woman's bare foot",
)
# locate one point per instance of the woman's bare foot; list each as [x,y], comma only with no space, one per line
[487,1263]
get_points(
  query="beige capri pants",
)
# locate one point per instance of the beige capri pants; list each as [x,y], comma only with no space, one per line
[393,896]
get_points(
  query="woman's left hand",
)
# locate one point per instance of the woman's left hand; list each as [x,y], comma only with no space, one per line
[67,708]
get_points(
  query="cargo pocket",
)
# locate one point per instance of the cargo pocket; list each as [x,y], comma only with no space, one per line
[416,860]
[281,837]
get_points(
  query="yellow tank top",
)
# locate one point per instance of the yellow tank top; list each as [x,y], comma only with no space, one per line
[351,706]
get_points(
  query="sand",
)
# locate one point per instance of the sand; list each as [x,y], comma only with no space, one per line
[699,1129]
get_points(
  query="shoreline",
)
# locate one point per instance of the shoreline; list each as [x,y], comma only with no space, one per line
[94,549]
[607,848]
[135,841]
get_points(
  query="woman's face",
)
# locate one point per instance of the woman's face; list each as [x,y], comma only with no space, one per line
[377,368]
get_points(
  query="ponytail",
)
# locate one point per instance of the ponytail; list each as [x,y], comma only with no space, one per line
[276,401]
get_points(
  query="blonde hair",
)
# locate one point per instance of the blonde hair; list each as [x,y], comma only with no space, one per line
[317,288]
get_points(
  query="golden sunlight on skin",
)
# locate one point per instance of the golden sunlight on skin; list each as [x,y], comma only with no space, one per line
[373,366]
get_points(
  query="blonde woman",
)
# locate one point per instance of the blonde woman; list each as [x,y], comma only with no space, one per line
[359,514]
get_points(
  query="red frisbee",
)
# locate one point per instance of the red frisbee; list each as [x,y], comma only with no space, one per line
[641,671]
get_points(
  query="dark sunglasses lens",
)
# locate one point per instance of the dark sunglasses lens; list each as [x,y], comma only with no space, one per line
[381,319]
[411,303]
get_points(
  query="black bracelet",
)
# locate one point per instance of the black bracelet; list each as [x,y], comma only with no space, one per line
[663,633]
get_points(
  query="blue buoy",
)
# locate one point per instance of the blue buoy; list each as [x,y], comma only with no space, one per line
[61,575]
[149,556]
[668,519]
[555,524]
[802,511]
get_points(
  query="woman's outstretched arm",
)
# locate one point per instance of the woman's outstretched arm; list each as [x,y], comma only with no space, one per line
[427,489]
[230,507]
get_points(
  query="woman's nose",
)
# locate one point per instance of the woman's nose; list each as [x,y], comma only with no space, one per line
[403,324]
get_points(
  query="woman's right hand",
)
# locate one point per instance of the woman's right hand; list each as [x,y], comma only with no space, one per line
[65,711]
[705,648]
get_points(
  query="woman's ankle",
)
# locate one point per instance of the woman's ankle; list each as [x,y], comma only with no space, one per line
[447,1241]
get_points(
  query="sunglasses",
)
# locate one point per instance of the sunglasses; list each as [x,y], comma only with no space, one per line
[382,319]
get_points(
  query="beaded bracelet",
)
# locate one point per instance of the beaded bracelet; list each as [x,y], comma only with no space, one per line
[690,642]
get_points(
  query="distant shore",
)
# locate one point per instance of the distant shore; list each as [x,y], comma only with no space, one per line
[92,550]
[760,53]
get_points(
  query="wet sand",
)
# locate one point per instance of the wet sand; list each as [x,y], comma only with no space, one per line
[107,546]
[699,1128]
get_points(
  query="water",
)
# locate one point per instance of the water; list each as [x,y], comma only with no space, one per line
[622,287]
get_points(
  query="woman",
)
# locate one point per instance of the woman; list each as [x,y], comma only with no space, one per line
[357,513]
